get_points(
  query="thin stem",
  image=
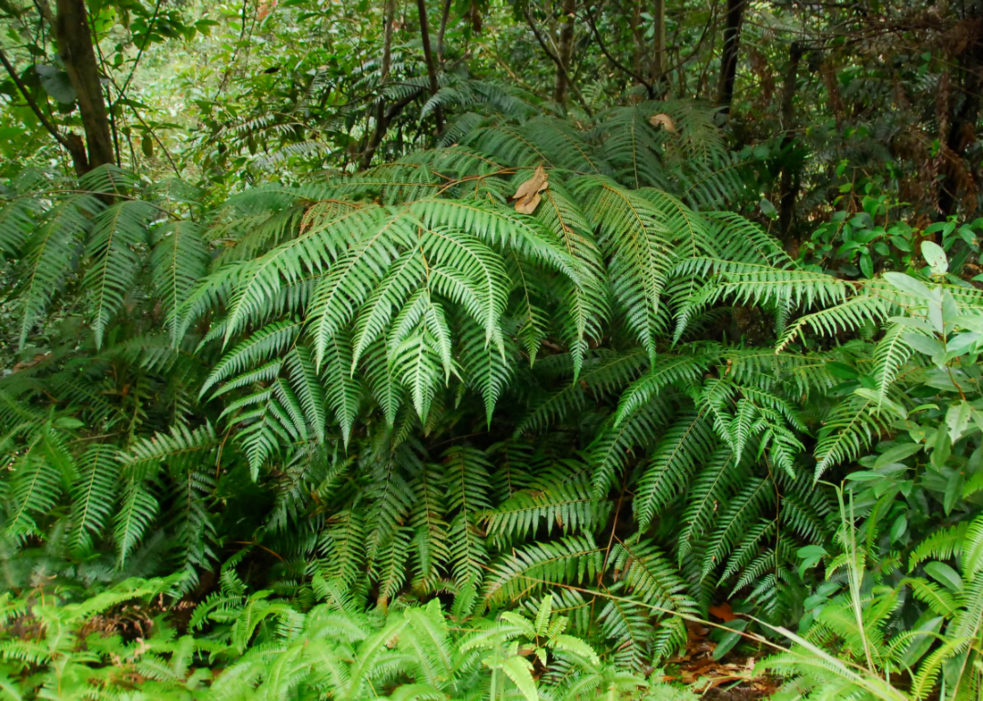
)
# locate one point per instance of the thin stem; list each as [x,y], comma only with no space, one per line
[45,122]
[136,61]
[421,7]
[555,59]
[649,88]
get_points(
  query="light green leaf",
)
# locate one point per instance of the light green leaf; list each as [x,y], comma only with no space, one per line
[957,419]
[519,670]
[935,256]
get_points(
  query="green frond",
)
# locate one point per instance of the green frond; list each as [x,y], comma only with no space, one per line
[667,369]
[854,424]
[683,447]
[117,234]
[569,507]
[745,508]
[639,247]
[717,482]
[16,222]
[178,261]
[50,256]
[343,392]
[93,495]
[174,448]
[36,480]
[532,567]
[603,373]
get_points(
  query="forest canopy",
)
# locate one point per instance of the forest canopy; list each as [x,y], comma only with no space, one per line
[540,349]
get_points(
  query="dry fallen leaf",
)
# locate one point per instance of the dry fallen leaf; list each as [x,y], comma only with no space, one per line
[527,196]
[28,364]
[723,612]
[664,120]
[696,631]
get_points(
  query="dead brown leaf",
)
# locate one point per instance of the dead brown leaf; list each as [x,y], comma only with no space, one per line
[723,612]
[28,364]
[662,120]
[527,197]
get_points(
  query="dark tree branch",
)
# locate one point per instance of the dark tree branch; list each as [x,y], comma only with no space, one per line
[553,57]
[75,47]
[728,60]
[789,181]
[564,51]
[649,88]
[136,61]
[235,52]
[45,122]
[421,7]
[381,116]
[445,15]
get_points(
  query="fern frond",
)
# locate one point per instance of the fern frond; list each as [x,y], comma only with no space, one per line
[93,495]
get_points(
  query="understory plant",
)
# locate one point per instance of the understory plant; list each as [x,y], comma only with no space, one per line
[901,608]
[122,644]
[541,361]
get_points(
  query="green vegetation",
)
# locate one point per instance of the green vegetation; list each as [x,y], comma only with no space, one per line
[477,351]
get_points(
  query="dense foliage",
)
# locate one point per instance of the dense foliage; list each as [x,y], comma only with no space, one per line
[369,366]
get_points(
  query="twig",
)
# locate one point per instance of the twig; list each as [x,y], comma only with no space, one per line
[421,6]
[235,52]
[615,62]
[559,64]
[443,28]
[45,122]
[136,61]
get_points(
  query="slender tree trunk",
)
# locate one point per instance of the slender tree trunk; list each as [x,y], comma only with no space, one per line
[728,61]
[421,7]
[71,142]
[381,115]
[444,16]
[659,62]
[963,124]
[387,39]
[790,181]
[565,52]
[639,36]
[75,48]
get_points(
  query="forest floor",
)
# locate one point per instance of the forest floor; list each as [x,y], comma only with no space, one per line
[729,679]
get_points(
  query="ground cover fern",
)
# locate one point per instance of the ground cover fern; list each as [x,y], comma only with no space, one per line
[395,384]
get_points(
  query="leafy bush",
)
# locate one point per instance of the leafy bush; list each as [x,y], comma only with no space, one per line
[892,604]
[400,385]
[119,644]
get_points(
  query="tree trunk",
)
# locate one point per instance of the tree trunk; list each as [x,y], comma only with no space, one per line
[76,50]
[421,7]
[565,52]
[659,62]
[71,142]
[639,37]
[963,124]
[789,182]
[728,61]
[445,15]
[381,115]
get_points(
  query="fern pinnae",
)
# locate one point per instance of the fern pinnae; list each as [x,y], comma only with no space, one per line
[716,481]
[178,260]
[93,494]
[116,232]
[51,255]
[890,354]
[846,316]
[748,504]
[684,369]
[640,256]
[401,279]
[681,449]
